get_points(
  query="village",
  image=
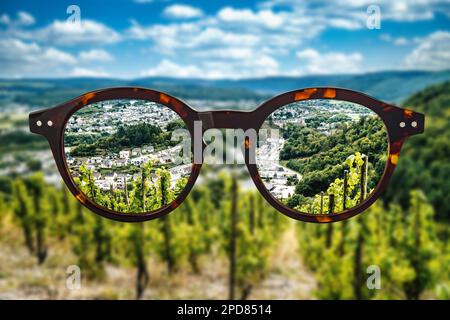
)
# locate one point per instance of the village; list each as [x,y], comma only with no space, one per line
[113,171]
[107,116]
[275,176]
[301,113]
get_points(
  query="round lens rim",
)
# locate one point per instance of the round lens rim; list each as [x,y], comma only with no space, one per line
[66,110]
[390,115]
[71,173]
[385,152]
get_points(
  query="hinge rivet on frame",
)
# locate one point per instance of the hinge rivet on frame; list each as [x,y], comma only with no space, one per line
[49,123]
[402,124]
[414,124]
[39,123]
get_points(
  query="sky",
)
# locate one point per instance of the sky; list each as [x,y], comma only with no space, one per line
[216,39]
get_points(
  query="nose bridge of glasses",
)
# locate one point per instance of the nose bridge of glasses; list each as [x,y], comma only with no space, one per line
[227,119]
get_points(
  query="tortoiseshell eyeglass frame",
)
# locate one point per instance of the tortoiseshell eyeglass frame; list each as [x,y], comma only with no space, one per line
[400,124]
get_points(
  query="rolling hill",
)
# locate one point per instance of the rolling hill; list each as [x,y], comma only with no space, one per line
[391,86]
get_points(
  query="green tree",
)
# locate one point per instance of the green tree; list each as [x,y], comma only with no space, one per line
[163,197]
[22,207]
[420,246]
[41,213]
[138,249]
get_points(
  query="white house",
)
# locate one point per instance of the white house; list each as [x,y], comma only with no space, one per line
[136,152]
[147,149]
[106,164]
[122,162]
[103,184]
[139,160]
[124,154]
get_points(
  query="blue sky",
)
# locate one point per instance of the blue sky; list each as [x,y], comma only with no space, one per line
[221,39]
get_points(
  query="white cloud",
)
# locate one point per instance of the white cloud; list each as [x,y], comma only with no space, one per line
[66,33]
[407,11]
[235,43]
[25,19]
[216,69]
[399,41]
[341,23]
[5,19]
[194,36]
[149,1]
[211,36]
[57,56]
[96,55]
[328,63]
[17,50]
[258,66]
[399,10]
[433,53]
[181,11]
[212,51]
[171,69]
[230,28]
[18,58]
[82,72]
[233,53]
[59,32]
[266,18]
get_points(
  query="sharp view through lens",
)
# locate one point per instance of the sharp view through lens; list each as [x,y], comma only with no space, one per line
[327,157]
[122,154]
[224,241]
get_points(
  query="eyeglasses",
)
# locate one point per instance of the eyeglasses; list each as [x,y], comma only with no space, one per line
[315,154]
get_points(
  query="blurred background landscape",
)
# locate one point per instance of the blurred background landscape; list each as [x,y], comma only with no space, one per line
[43,230]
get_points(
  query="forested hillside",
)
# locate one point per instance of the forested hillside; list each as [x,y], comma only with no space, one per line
[424,161]
[322,158]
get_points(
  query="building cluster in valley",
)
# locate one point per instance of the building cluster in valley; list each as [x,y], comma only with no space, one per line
[111,170]
[107,116]
[274,175]
[300,113]
[115,179]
